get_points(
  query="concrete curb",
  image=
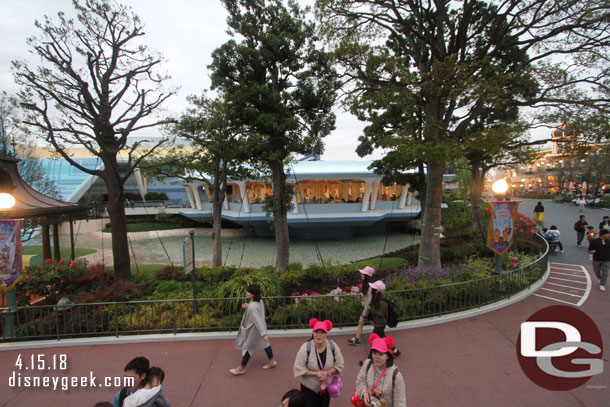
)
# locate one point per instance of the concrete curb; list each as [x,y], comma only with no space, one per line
[277,333]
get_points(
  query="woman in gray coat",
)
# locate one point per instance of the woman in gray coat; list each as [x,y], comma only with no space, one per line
[252,334]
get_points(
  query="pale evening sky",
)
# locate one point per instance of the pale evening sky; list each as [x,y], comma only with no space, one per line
[184,31]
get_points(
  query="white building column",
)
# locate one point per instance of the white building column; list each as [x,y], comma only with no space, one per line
[376,184]
[140,181]
[367,196]
[244,195]
[196,196]
[409,198]
[403,196]
[225,201]
[295,202]
[189,194]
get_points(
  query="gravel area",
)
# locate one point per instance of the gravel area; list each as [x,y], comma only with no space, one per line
[250,251]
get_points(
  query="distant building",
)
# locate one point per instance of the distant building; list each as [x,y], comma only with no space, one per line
[333,199]
[556,170]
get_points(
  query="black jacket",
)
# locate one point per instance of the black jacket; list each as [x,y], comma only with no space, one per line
[602,249]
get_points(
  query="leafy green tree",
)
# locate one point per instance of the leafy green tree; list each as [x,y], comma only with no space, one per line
[441,66]
[97,84]
[281,89]
[214,154]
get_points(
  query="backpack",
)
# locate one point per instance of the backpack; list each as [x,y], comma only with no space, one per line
[392,318]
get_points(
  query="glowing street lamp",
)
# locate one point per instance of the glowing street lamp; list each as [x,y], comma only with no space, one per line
[7,201]
[501,226]
[500,187]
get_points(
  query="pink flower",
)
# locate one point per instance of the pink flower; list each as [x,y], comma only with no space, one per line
[532,231]
[521,230]
[61,261]
[92,267]
[73,263]
[514,265]
[515,258]
[48,261]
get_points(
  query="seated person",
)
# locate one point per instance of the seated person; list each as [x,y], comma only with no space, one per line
[554,236]
[150,395]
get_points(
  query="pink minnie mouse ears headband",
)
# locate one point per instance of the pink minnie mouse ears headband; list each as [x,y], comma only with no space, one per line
[383,345]
[315,325]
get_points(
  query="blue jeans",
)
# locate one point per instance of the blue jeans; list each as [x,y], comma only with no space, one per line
[601,269]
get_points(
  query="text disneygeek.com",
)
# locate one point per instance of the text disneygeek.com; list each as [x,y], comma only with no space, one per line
[67,382]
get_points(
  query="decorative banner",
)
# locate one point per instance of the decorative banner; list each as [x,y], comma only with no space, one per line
[11,262]
[501,232]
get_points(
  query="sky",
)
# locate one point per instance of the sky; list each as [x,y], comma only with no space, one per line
[184,31]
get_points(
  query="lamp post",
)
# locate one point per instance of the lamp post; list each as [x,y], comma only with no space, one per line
[499,188]
[7,201]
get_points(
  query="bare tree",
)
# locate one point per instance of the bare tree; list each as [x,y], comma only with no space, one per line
[97,85]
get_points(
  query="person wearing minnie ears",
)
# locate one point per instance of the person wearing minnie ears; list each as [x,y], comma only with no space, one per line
[600,249]
[379,383]
[366,275]
[252,334]
[317,360]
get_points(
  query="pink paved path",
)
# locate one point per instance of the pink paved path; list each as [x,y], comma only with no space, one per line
[471,362]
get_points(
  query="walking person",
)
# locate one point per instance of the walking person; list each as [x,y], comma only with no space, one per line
[600,249]
[379,380]
[539,214]
[366,275]
[252,334]
[151,395]
[580,227]
[293,398]
[317,360]
[581,202]
[137,369]
[380,311]
[605,223]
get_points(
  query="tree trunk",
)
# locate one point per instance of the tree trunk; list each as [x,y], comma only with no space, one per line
[476,191]
[280,217]
[430,249]
[422,193]
[218,194]
[118,221]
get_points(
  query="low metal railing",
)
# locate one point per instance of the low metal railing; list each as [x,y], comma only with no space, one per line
[224,314]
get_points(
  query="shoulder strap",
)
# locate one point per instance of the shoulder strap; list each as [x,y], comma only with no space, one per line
[368,367]
[394,382]
[122,396]
[332,349]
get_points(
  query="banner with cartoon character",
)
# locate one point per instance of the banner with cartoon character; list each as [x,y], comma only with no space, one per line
[11,263]
[501,231]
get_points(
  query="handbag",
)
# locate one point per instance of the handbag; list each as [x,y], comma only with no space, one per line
[335,386]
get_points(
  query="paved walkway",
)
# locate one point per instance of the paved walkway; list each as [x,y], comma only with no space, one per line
[471,362]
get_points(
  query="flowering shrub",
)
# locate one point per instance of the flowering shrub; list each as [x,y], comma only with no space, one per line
[76,280]
[525,230]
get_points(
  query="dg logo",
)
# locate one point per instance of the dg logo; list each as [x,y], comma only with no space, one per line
[560,348]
